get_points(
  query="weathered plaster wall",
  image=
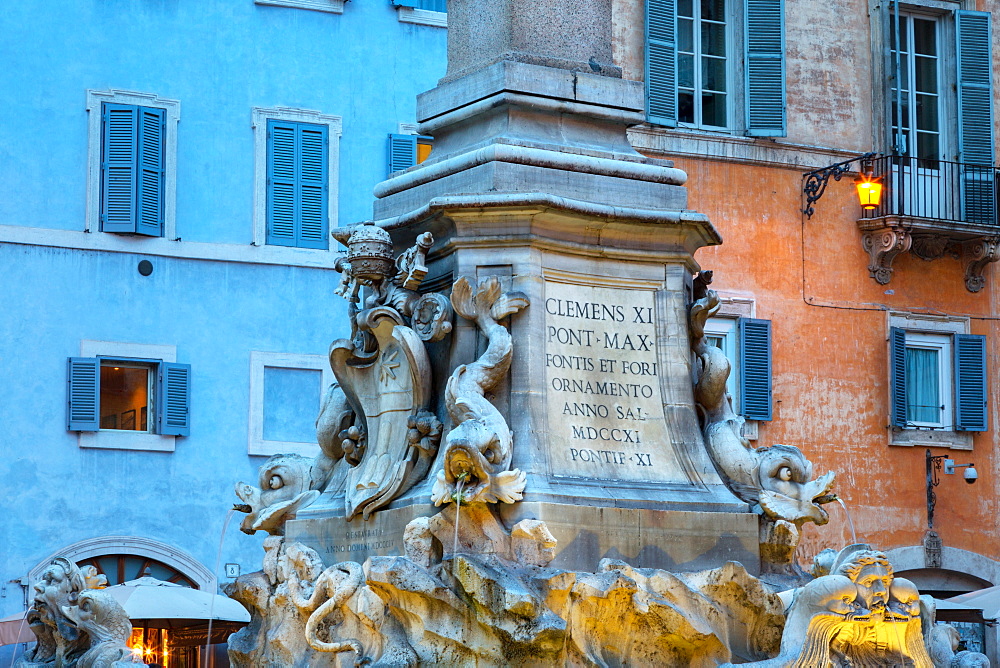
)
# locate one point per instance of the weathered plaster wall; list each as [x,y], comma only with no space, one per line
[830,352]
[219,58]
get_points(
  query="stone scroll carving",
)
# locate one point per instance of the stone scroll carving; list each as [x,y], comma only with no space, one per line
[777,481]
[976,255]
[76,625]
[478,449]
[882,247]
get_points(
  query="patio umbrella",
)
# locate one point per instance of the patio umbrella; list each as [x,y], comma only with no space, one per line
[155,604]
[987,600]
[14,629]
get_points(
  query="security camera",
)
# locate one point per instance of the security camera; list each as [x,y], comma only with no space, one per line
[970,475]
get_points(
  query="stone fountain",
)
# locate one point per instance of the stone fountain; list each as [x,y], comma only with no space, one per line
[529,456]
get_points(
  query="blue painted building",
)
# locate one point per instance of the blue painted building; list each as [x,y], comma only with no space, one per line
[169,173]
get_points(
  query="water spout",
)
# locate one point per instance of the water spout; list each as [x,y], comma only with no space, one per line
[854,536]
[211,606]
[458,511]
[20,628]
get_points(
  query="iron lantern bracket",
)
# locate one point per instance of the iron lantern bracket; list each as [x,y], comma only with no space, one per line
[934,463]
[817,180]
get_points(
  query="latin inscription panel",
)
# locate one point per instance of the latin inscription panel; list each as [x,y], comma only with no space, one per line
[605,409]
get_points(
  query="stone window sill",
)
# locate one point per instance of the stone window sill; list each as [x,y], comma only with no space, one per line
[422,17]
[928,438]
[330,6]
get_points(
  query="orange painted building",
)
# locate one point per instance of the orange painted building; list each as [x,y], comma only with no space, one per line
[831,371]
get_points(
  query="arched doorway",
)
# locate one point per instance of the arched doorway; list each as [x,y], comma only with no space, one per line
[122,559]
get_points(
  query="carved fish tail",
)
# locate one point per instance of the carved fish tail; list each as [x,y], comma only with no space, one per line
[493,364]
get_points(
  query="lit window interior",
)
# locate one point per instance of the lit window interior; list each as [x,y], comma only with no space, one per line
[423,150]
[124,396]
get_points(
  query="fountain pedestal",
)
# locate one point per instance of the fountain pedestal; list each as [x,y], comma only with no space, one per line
[532,180]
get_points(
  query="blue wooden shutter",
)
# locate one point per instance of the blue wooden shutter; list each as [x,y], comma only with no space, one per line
[174,399]
[661,62]
[402,152]
[297,184]
[150,171]
[975,116]
[970,383]
[755,368]
[282,161]
[897,376]
[313,143]
[83,394]
[118,167]
[765,68]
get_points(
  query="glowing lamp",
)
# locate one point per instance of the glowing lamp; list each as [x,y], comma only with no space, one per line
[869,192]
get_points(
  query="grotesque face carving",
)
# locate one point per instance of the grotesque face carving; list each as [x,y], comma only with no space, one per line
[873,586]
[787,488]
[871,572]
[58,587]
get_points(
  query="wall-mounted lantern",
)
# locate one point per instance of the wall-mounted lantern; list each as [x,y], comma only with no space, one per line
[869,191]
[869,188]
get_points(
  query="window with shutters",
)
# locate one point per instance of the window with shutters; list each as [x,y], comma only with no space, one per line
[938,128]
[118,400]
[716,65]
[937,378]
[746,342]
[939,179]
[132,163]
[295,193]
[939,88]
[407,150]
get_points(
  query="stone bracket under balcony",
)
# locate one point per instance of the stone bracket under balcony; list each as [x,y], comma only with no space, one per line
[885,237]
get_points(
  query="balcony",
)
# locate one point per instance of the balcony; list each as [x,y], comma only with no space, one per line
[933,208]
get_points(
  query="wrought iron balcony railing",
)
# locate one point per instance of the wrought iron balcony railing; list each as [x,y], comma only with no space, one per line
[959,193]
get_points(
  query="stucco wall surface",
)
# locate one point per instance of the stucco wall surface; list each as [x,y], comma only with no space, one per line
[220,59]
[830,352]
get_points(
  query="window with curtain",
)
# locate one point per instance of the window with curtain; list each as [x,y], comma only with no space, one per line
[923,386]
[746,343]
[938,380]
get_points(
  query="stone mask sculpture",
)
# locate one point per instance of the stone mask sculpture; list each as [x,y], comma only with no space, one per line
[76,625]
[108,627]
[859,615]
[283,488]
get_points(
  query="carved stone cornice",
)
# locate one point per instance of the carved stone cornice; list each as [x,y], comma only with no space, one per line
[886,237]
